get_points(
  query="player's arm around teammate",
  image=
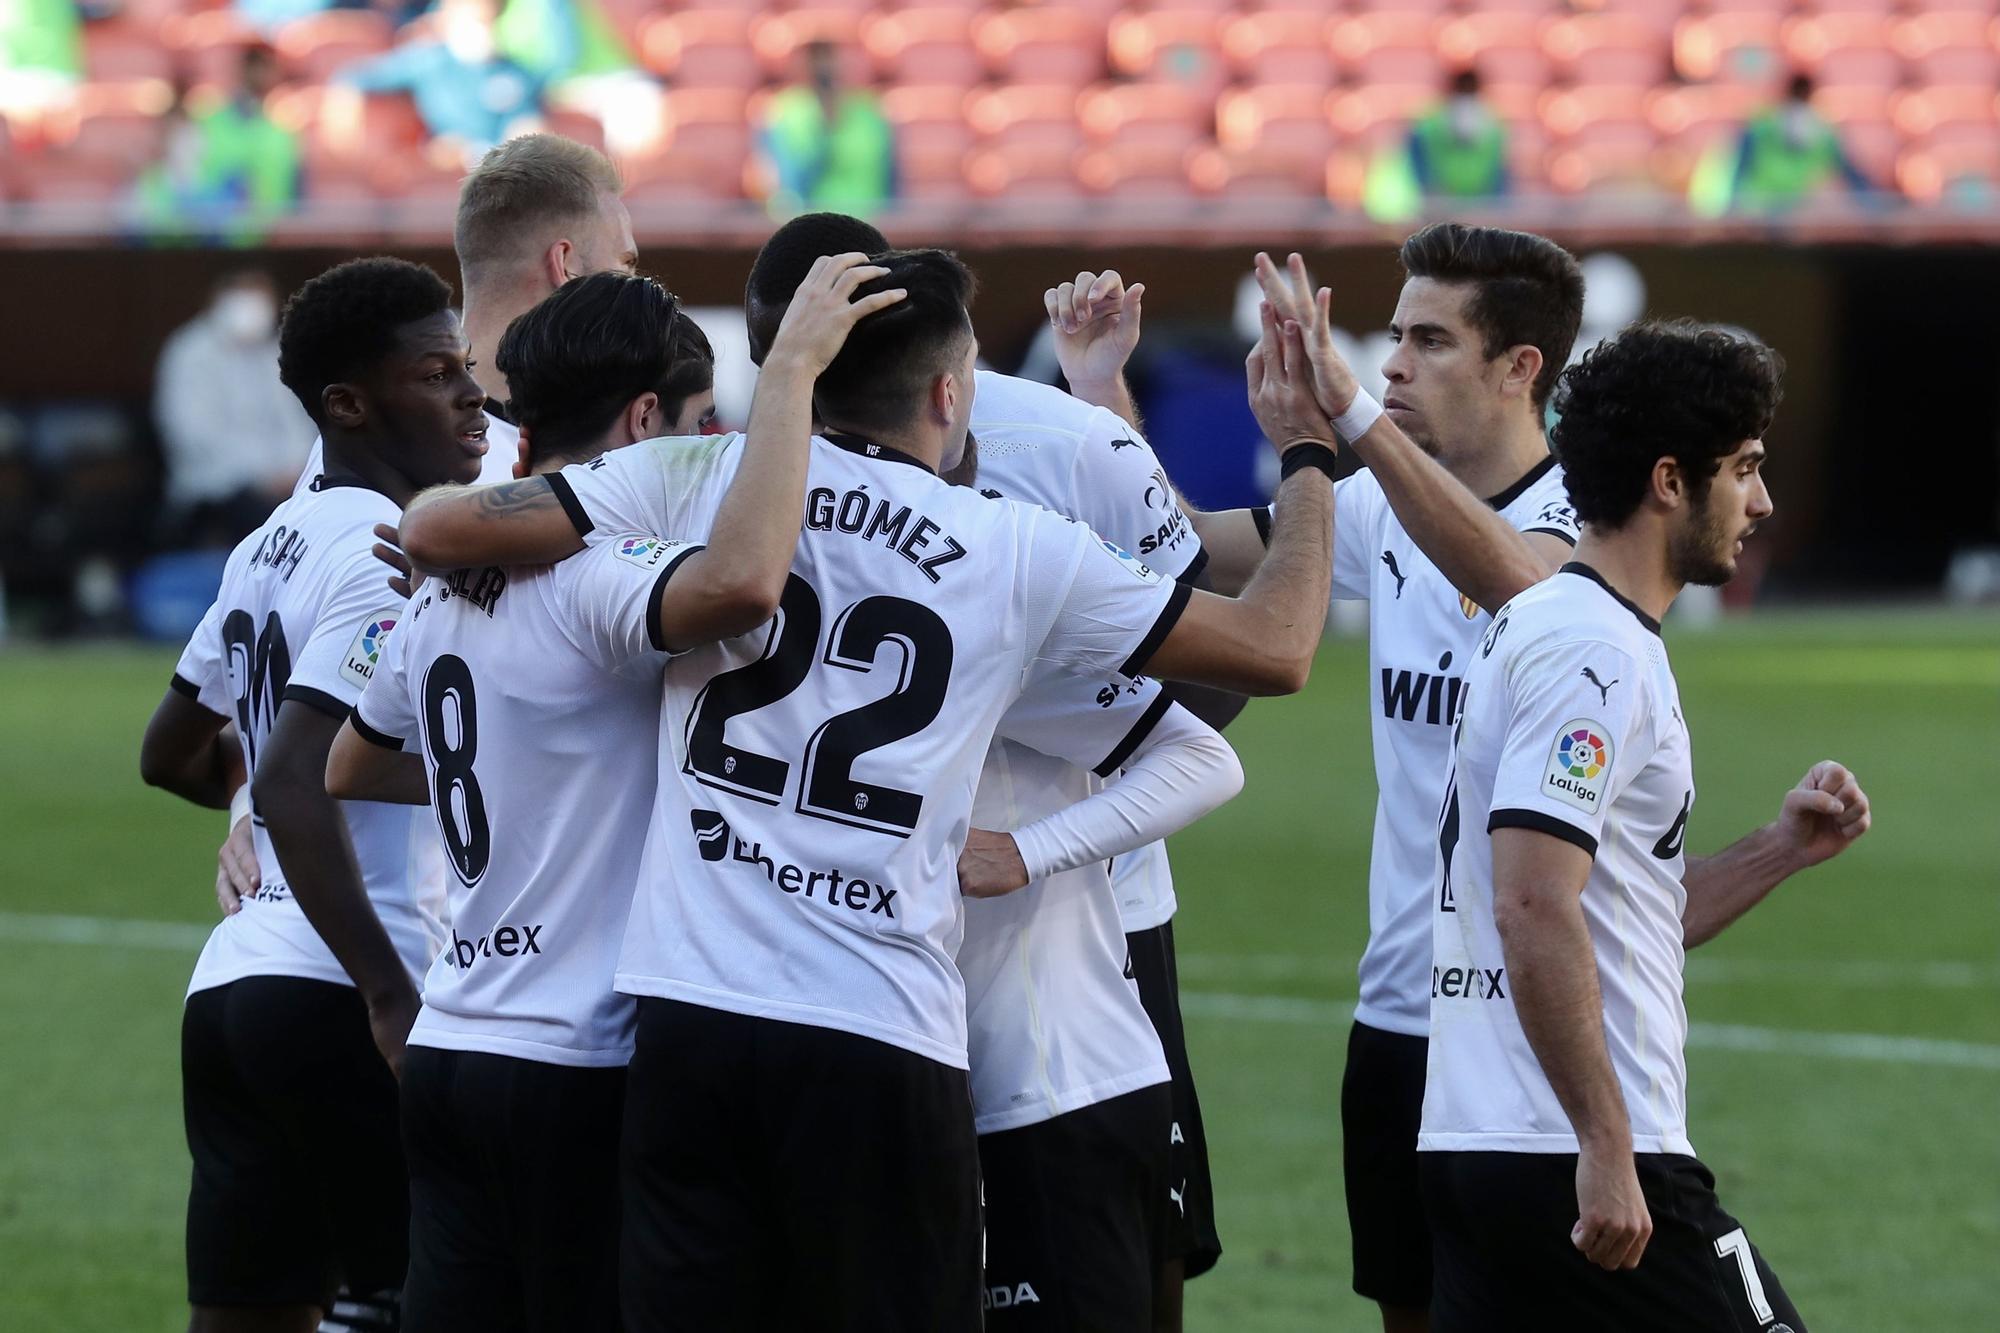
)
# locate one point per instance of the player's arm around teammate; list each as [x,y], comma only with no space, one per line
[1181,771]
[529,521]
[1820,818]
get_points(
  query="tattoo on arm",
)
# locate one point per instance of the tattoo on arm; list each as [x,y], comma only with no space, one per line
[515,497]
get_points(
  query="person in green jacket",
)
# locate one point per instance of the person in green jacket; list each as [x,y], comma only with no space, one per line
[229,171]
[830,147]
[1787,153]
[1458,150]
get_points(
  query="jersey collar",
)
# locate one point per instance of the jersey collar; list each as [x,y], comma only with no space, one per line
[1529,478]
[329,481]
[855,444]
[1578,567]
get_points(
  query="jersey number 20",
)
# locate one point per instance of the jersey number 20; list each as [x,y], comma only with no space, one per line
[828,788]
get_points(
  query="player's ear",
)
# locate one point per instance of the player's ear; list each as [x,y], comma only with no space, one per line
[555,263]
[1524,366]
[344,406]
[643,418]
[945,390]
[1668,484]
[524,456]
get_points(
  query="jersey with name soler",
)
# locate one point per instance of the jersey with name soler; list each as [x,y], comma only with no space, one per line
[533,694]
[1039,444]
[1421,633]
[1572,728]
[305,614]
[817,775]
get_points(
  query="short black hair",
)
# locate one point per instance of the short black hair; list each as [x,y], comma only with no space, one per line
[577,359]
[890,358]
[346,320]
[1527,289]
[786,259]
[1661,389]
[692,370]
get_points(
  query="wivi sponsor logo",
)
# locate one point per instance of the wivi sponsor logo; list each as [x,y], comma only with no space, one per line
[505,942]
[1430,697]
[717,843]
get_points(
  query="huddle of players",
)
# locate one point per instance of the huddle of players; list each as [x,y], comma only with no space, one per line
[800,990]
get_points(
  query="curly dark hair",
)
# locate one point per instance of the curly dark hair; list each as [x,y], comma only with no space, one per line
[1675,389]
[346,320]
[1528,289]
[576,360]
[786,259]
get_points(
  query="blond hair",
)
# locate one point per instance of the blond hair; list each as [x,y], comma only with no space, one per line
[524,189]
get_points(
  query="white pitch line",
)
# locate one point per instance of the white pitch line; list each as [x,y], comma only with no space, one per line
[1861,1046]
[187,937]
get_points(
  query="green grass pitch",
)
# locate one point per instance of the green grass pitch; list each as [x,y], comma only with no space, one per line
[1868,1171]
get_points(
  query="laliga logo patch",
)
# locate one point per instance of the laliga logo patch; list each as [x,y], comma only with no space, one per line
[1146,573]
[365,653]
[646,552]
[1579,765]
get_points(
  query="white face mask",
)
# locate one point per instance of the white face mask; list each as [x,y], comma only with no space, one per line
[1466,115]
[246,316]
[470,38]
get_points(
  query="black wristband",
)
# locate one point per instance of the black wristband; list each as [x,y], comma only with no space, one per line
[1308,455]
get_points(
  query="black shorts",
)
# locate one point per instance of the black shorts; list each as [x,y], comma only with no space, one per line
[1381,1108]
[782,1177]
[1189,1202]
[1501,1226]
[513,1193]
[298,1184]
[1073,1217]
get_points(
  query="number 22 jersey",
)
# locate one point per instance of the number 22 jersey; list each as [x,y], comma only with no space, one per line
[305,614]
[817,774]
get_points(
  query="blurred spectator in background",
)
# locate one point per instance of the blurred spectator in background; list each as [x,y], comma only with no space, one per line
[1785,155]
[226,173]
[1456,150]
[233,435]
[576,54]
[828,146]
[41,59]
[470,95]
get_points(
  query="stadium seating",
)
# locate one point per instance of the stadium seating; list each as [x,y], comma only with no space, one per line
[1204,96]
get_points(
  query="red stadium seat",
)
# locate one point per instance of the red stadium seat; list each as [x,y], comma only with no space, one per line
[1373,113]
[1504,47]
[933,44]
[1415,9]
[1277,118]
[115,51]
[1740,48]
[1034,168]
[1169,45]
[62,178]
[1569,111]
[1253,173]
[1389,47]
[1703,111]
[1049,46]
[1844,49]
[317,47]
[1608,48]
[208,44]
[701,48]
[1137,112]
[1608,154]
[1027,112]
[1967,169]
[1287,47]
[1660,15]
[127,138]
[1949,48]
[1145,169]
[1920,111]
[777,37]
[932,137]
[705,153]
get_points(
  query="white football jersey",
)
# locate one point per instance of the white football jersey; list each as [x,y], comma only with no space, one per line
[503,447]
[817,775]
[305,613]
[1421,635]
[533,694]
[1039,444]
[1053,1012]
[1572,727]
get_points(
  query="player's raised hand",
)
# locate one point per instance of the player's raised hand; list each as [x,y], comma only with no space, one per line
[1612,1224]
[389,550]
[236,874]
[1280,383]
[824,309]
[1291,294]
[1824,814]
[990,865]
[1096,322]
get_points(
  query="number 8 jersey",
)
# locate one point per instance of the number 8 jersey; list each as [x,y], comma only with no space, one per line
[817,775]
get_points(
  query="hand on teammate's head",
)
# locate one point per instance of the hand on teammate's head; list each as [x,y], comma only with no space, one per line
[825,309]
